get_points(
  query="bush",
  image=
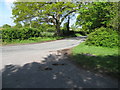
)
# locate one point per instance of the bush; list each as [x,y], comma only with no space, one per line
[47,34]
[103,37]
[10,34]
[50,29]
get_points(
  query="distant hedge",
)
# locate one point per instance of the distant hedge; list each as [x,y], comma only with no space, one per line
[103,37]
[8,34]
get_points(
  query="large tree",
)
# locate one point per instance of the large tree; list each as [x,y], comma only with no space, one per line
[49,12]
[94,15]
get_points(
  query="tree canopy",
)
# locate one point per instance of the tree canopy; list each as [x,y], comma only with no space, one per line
[49,12]
[95,15]
[92,15]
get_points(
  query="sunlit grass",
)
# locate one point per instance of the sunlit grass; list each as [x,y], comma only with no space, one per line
[82,48]
[31,40]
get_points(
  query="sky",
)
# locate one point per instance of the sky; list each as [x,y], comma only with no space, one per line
[6,13]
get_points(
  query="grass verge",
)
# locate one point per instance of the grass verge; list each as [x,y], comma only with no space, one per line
[100,59]
[31,40]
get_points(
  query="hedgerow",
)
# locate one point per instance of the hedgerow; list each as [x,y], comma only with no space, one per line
[103,37]
[9,34]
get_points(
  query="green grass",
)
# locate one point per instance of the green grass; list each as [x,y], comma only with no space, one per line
[100,59]
[31,40]
[77,34]
[82,48]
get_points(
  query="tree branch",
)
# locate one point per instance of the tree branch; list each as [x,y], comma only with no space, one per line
[52,16]
[67,15]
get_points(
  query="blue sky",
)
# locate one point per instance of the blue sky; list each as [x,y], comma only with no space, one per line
[6,12]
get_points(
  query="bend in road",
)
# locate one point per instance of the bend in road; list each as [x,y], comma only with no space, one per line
[21,54]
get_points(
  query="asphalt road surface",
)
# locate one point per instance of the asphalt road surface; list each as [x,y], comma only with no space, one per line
[21,54]
[39,66]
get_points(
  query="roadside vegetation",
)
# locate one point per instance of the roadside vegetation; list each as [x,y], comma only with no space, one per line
[31,40]
[100,51]
[94,50]
[26,35]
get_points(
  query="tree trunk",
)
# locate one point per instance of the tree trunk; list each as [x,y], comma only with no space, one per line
[58,25]
[68,22]
[58,28]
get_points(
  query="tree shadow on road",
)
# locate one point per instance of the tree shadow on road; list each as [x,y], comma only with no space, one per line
[54,72]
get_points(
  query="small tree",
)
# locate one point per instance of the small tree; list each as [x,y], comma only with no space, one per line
[6,26]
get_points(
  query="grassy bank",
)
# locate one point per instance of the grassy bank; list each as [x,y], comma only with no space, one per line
[31,40]
[100,59]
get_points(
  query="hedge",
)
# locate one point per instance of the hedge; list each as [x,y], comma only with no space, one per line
[103,37]
[8,34]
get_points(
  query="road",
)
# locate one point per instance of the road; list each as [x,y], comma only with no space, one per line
[39,66]
[21,54]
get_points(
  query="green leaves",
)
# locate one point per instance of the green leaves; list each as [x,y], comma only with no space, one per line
[103,37]
[6,26]
[95,15]
[49,12]
[10,34]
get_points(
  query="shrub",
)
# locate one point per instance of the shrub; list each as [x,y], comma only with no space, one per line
[103,37]
[10,34]
[47,34]
[50,29]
